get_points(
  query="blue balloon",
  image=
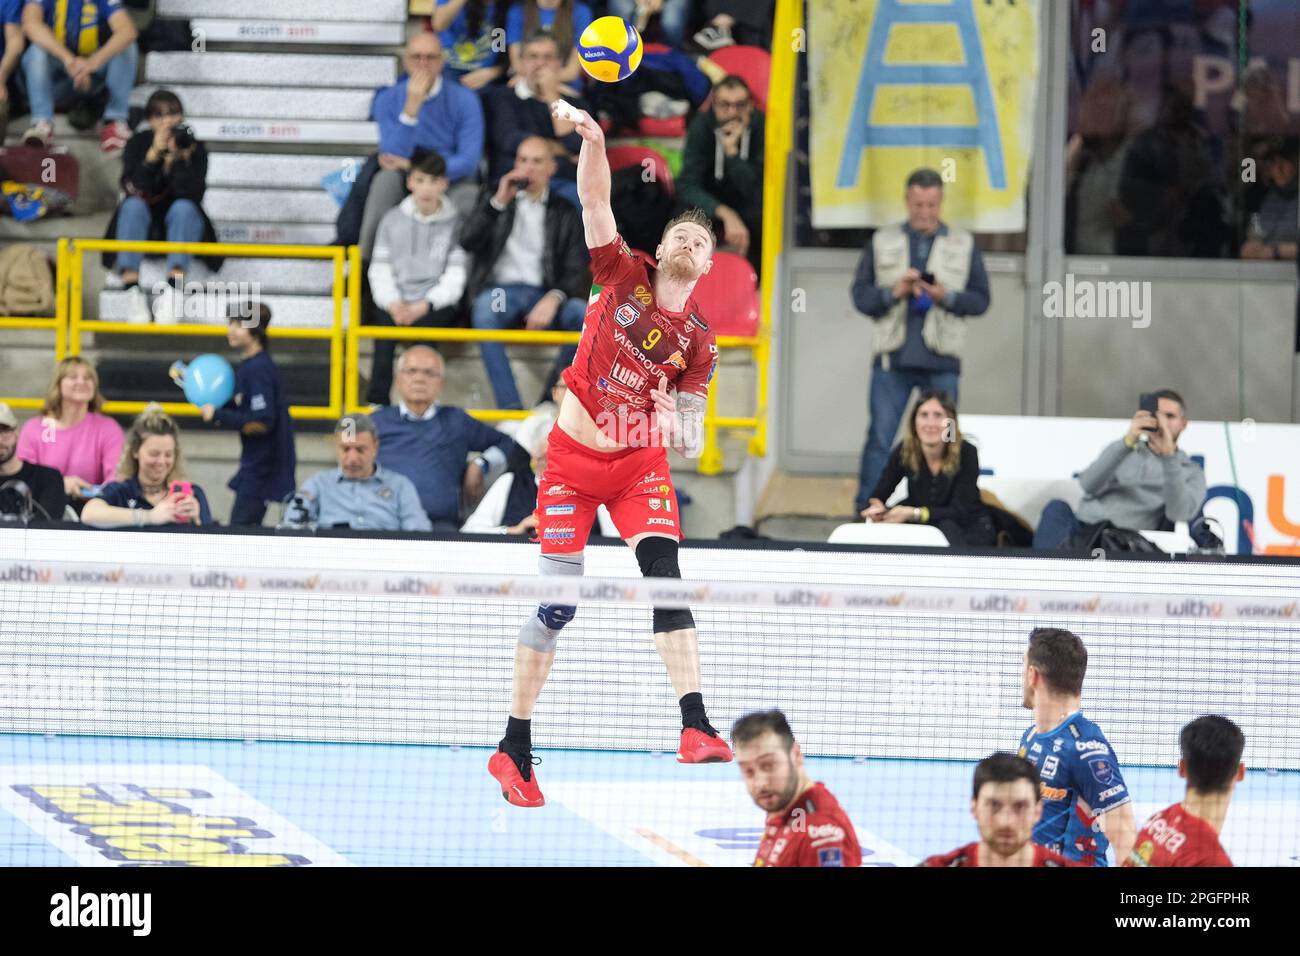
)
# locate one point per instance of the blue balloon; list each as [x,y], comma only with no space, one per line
[208,380]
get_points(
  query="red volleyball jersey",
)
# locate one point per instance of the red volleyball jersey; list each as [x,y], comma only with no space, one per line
[1175,837]
[629,341]
[969,855]
[814,832]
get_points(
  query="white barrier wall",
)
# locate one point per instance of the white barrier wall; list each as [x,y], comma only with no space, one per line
[264,648]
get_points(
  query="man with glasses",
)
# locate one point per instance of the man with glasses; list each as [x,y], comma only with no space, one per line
[423,111]
[722,167]
[430,443]
[517,112]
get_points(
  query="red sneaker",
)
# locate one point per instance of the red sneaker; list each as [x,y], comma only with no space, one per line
[699,747]
[113,137]
[516,790]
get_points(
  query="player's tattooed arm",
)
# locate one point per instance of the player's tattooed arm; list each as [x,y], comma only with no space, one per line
[690,418]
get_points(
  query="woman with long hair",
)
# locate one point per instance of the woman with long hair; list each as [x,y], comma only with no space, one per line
[941,469]
[153,490]
[563,19]
[469,30]
[71,435]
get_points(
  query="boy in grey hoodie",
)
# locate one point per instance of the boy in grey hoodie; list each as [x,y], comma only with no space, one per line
[418,271]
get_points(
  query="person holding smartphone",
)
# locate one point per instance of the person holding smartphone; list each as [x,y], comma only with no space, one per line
[154,491]
[1142,481]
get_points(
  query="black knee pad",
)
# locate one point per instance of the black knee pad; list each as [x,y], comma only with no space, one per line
[658,559]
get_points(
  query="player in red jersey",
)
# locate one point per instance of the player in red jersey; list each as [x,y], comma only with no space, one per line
[637,387]
[806,826]
[1006,804]
[1187,834]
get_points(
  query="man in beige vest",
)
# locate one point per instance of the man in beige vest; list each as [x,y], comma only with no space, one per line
[919,282]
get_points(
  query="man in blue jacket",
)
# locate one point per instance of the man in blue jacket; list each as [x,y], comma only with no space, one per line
[259,411]
[422,111]
[430,443]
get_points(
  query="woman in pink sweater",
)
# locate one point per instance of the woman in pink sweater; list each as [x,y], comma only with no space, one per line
[70,434]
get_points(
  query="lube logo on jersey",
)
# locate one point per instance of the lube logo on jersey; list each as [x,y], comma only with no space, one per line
[627,376]
[626,314]
[560,509]
[642,294]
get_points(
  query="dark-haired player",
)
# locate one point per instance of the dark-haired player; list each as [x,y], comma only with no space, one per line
[1086,804]
[806,826]
[637,386]
[1187,834]
[1006,804]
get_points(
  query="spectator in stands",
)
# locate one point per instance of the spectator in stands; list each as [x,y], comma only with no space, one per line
[153,490]
[722,167]
[11,53]
[564,20]
[941,469]
[419,112]
[1142,481]
[22,482]
[744,22]
[70,435]
[259,411]
[673,17]
[360,493]
[473,34]
[164,175]
[417,275]
[919,282]
[1272,232]
[530,261]
[524,110]
[430,443]
[81,46]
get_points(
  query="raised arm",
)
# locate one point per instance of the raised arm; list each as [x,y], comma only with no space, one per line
[593,180]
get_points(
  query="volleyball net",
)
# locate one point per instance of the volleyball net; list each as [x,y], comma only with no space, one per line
[256,700]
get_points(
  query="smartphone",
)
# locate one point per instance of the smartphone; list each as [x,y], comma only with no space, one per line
[182,488]
[927,278]
[1147,402]
[519,182]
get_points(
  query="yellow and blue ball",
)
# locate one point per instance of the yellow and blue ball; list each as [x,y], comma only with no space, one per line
[610,49]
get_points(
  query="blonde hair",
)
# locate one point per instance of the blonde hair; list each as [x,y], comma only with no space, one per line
[151,422]
[695,216]
[54,396]
[912,456]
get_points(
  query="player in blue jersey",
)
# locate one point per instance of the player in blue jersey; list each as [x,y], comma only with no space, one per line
[1086,804]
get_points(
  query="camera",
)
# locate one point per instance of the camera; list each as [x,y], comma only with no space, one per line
[183,137]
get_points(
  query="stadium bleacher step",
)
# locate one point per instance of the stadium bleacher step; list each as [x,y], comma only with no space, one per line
[265,276]
[143,376]
[259,102]
[296,311]
[284,131]
[266,170]
[271,205]
[386,11]
[296,31]
[271,69]
[285,234]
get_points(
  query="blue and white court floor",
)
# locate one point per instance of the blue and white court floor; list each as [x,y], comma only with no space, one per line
[114,801]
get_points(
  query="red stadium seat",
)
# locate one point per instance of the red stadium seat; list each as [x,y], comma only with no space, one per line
[674,127]
[728,295]
[752,64]
[620,157]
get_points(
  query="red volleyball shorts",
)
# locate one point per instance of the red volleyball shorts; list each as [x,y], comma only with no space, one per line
[633,483]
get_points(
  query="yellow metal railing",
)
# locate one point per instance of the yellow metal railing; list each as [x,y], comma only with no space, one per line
[69,322]
[58,324]
[710,462]
[334,334]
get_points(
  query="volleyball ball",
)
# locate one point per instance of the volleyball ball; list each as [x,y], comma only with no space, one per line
[609,49]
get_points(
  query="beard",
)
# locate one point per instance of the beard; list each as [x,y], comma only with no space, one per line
[679,267]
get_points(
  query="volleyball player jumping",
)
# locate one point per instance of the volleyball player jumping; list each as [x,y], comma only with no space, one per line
[637,386]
